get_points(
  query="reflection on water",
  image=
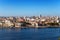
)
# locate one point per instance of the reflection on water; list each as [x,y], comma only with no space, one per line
[30,34]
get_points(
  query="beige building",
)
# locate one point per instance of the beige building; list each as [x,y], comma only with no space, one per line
[8,23]
[17,25]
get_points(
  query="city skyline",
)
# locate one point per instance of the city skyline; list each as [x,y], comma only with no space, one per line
[29,7]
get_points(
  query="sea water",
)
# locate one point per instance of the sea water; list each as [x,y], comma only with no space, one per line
[30,34]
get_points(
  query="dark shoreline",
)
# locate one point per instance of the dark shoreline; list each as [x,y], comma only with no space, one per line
[34,27]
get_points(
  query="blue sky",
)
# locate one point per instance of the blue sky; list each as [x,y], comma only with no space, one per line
[29,7]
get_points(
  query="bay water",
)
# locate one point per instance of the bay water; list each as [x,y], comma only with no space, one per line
[30,34]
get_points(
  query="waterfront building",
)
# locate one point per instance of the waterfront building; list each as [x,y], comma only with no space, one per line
[0,24]
[7,23]
[17,25]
